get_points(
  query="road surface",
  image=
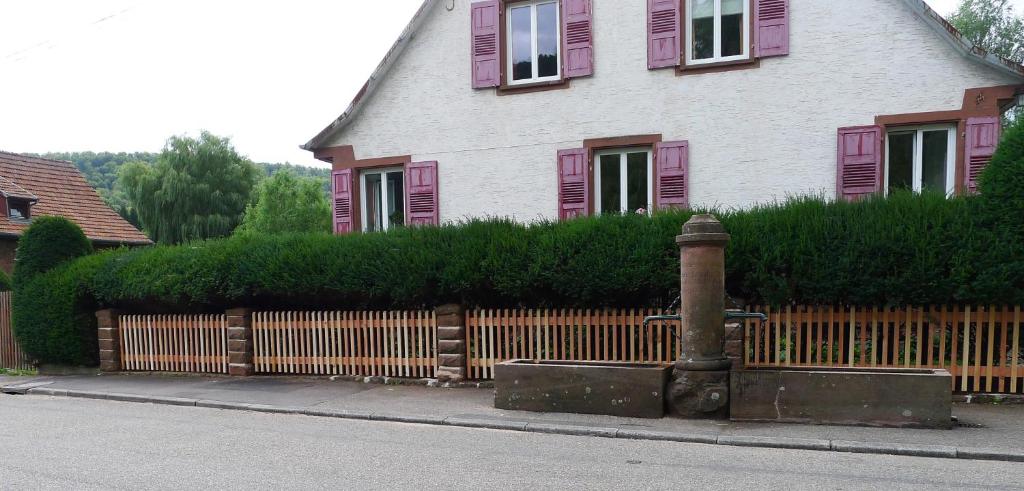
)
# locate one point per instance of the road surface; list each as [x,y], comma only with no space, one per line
[60,443]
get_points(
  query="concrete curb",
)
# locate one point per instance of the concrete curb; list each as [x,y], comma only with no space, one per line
[820,445]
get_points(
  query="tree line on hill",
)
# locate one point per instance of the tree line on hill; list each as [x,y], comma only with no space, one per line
[113,174]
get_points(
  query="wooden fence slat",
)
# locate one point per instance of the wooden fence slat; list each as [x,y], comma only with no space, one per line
[1018,332]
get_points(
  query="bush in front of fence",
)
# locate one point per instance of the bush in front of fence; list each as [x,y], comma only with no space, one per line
[1000,210]
[53,306]
[904,249]
[48,242]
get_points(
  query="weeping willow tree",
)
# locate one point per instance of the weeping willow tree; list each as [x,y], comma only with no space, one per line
[198,189]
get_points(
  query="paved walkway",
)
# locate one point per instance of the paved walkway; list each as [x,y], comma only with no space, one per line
[992,428]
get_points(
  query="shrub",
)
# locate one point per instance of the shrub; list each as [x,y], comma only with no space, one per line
[47,243]
[47,319]
[995,270]
[903,249]
[54,314]
[5,282]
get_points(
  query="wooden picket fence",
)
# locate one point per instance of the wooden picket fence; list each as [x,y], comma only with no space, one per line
[174,343]
[392,344]
[11,356]
[980,346]
[494,336]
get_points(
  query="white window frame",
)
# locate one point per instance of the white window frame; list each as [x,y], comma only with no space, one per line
[623,174]
[918,170]
[717,58]
[385,223]
[535,50]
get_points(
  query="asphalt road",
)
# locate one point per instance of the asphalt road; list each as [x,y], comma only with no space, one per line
[59,443]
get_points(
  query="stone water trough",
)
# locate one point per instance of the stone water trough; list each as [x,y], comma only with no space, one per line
[897,398]
[616,389]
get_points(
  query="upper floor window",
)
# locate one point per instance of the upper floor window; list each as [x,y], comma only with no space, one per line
[383,199]
[533,42]
[622,181]
[718,31]
[921,159]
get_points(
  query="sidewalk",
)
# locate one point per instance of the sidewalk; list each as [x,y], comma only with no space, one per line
[986,431]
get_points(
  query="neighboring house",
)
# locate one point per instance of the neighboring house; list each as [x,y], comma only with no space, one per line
[560,108]
[31,187]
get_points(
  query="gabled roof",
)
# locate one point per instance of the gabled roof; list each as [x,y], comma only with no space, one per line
[963,45]
[919,7]
[378,75]
[10,189]
[62,191]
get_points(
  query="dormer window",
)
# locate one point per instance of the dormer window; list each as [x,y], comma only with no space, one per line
[19,209]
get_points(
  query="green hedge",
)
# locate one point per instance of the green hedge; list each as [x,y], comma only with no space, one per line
[53,313]
[903,249]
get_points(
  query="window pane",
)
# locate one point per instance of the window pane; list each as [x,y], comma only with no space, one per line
[934,159]
[522,44]
[547,39]
[703,28]
[396,199]
[901,160]
[611,185]
[732,27]
[372,203]
[636,181]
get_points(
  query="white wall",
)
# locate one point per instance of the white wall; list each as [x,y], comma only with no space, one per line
[755,135]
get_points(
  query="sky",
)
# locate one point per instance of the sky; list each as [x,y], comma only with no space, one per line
[124,75]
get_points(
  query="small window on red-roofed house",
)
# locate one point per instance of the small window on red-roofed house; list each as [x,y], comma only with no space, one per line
[19,210]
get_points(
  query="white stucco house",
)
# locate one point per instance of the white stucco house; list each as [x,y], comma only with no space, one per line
[551,109]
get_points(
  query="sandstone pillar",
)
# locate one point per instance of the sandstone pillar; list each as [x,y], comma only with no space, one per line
[109,335]
[240,347]
[451,343]
[700,379]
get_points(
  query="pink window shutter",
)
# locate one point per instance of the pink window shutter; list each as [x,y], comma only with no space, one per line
[421,197]
[860,162]
[664,28]
[672,161]
[577,38]
[772,28]
[341,188]
[982,139]
[486,44]
[573,184]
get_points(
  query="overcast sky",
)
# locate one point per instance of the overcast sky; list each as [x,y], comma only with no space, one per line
[123,75]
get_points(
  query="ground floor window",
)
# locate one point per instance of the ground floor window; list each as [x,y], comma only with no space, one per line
[622,181]
[921,159]
[383,199]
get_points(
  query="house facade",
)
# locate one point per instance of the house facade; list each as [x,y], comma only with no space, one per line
[551,109]
[32,187]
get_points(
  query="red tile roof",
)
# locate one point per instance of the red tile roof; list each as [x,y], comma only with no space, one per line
[63,191]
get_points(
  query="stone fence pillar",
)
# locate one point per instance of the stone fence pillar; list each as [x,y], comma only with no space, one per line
[240,347]
[451,343]
[734,343]
[109,335]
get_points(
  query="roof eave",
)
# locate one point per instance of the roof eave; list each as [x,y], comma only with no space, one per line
[965,47]
[371,84]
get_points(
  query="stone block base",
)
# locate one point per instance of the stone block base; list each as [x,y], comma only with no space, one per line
[241,370]
[451,374]
[699,394]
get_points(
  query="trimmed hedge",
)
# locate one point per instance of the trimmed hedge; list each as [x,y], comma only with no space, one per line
[52,309]
[902,249]
[48,242]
